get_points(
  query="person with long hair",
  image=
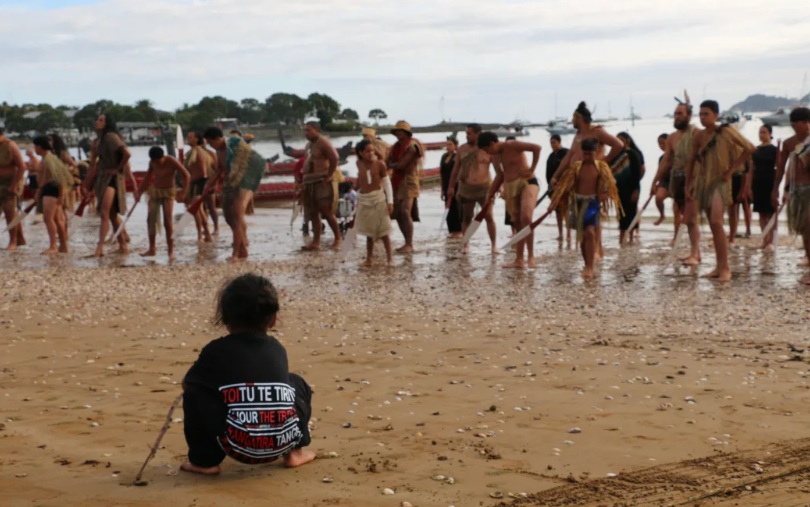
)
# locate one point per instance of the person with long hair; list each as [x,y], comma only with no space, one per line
[628,176]
[446,165]
[55,181]
[61,152]
[108,162]
[763,180]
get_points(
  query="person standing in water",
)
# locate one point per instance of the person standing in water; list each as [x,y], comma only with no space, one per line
[199,163]
[375,202]
[763,179]
[556,156]
[405,162]
[320,185]
[12,172]
[628,180]
[55,182]
[447,163]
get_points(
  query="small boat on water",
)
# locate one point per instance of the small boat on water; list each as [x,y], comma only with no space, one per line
[517,131]
[561,128]
[734,118]
[781,118]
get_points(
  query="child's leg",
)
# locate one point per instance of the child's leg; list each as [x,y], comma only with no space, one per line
[201,428]
[660,195]
[388,251]
[61,229]
[722,272]
[303,407]
[168,208]
[49,215]
[369,251]
[151,227]
[589,250]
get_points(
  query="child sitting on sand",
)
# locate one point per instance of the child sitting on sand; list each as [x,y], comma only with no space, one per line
[239,398]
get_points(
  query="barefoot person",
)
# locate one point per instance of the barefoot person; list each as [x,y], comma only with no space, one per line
[446,165]
[239,398]
[661,187]
[796,158]
[471,173]
[762,182]
[320,185]
[587,188]
[717,152]
[108,159]
[12,171]
[520,187]
[673,168]
[159,181]
[199,163]
[55,182]
[405,160]
[242,170]
[628,180]
[556,156]
[741,198]
[375,201]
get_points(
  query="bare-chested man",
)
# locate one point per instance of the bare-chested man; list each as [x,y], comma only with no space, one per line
[200,163]
[583,123]
[405,160]
[380,147]
[795,156]
[520,187]
[320,193]
[717,153]
[12,170]
[677,148]
[162,169]
[242,170]
[471,172]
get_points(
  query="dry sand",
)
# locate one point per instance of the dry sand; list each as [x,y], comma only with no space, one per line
[533,386]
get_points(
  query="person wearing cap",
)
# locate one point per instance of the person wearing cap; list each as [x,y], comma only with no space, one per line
[381,148]
[405,160]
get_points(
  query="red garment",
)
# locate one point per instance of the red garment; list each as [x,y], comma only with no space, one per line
[299,169]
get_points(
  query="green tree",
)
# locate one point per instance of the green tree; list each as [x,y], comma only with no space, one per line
[50,119]
[349,115]
[250,111]
[146,110]
[377,115]
[324,107]
[286,108]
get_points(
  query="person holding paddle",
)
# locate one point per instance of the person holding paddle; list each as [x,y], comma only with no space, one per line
[162,169]
[55,183]
[520,187]
[471,174]
[12,170]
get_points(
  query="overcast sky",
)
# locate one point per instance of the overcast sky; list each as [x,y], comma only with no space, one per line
[491,60]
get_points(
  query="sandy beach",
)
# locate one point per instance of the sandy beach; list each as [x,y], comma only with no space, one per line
[446,380]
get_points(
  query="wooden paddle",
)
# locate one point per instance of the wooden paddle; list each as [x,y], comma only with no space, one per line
[476,223]
[180,144]
[18,219]
[348,241]
[296,210]
[123,222]
[523,233]
[190,214]
[445,214]
[154,448]
[541,198]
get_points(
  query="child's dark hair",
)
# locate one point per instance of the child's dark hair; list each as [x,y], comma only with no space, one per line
[156,153]
[486,139]
[360,147]
[248,302]
[590,144]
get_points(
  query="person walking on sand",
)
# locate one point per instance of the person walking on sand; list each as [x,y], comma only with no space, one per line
[12,171]
[628,181]
[109,157]
[239,398]
[762,183]
[471,174]
[159,180]
[242,170]
[587,188]
[375,201]
[556,156]
[520,188]
[405,161]
[717,152]
[446,165]
[55,182]
[320,185]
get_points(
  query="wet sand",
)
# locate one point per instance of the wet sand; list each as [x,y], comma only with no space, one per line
[533,385]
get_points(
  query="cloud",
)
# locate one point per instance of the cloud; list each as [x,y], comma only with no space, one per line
[489,59]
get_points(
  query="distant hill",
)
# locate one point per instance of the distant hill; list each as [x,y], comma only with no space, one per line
[760,102]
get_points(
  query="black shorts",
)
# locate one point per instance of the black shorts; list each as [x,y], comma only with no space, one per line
[736,187]
[50,190]
[534,182]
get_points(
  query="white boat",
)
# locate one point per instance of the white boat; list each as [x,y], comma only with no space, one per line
[560,128]
[735,118]
[780,118]
[518,131]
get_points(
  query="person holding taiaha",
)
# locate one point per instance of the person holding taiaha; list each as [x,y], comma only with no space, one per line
[471,174]
[239,398]
[717,152]
[795,162]
[587,188]
[162,168]
[320,185]
[520,188]
[199,163]
[55,183]
[12,171]
[405,162]
[242,170]
[108,159]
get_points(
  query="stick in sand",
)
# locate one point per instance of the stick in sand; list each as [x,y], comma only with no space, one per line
[635,221]
[476,223]
[523,233]
[20,217]
[154,448]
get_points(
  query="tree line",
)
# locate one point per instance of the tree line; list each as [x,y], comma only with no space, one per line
[281,109]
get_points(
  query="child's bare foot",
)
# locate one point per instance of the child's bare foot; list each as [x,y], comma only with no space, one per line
[691,261]
[769,248]
[660,220]
[465,249]
[587,273]
[312,247]
[518,264]
[171,256]
[149,253]
[99,251]
[298,457]
[495,250]
[367,263]
[194,469]
[336,244]
[63,249]
[50,251]
[390,261]
[405,249]
[532,263]
[456,235]
[123,249]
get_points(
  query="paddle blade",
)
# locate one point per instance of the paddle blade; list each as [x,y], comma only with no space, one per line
[444,220]
[195,206]
[541,198]
[180,143]
[348,243]
[468,234]
[296,211]
[18,219]
[80,210]
[517,238]
[772,222]
[186,220]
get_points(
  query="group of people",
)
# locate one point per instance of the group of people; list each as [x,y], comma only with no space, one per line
[703,170]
